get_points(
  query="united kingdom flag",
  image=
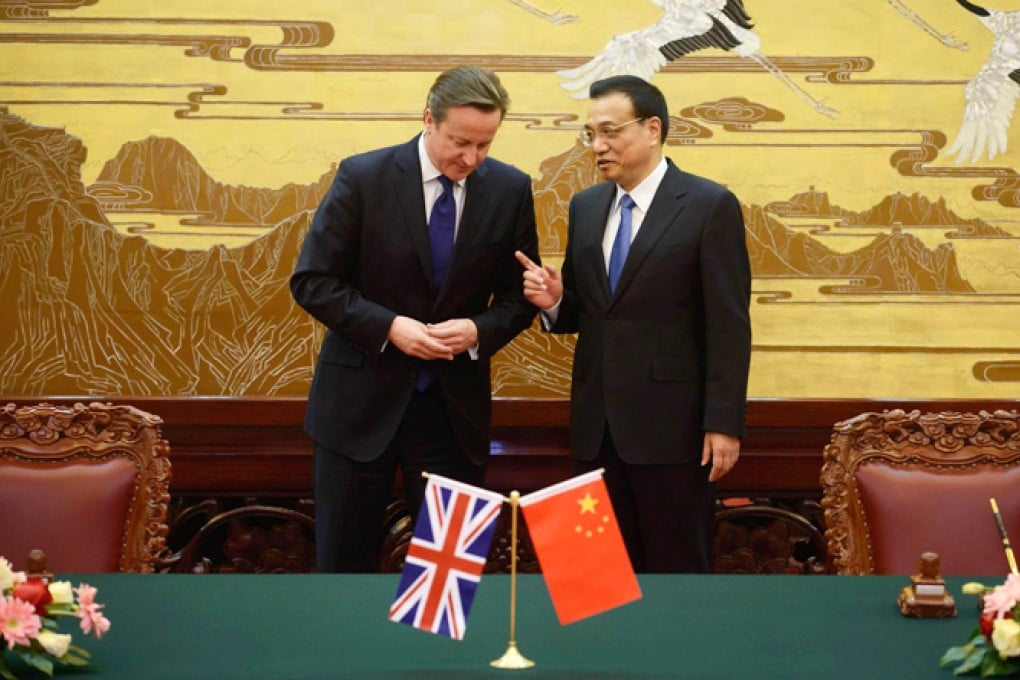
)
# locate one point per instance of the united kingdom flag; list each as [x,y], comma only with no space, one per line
[445,559]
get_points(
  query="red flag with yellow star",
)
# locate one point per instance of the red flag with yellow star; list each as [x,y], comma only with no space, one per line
[579,546]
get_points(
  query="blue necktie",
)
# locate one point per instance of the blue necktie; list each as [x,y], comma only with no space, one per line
[442,222]
[441,228]
[621,245]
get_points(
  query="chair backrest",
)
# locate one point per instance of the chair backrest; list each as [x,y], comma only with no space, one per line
[760,539]
[86,484]
[253,539]
[897,484]
[398,532]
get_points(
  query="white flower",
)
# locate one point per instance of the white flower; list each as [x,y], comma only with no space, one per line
[54,643]
[1006,637]
[61,592]
[6,575]
[9,577]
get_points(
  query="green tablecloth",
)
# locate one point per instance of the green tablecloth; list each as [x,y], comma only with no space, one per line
[326,626]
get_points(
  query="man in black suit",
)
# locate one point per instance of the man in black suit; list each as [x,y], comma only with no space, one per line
[403,373]
[664,338]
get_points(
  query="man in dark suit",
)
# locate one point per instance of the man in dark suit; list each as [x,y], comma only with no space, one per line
[659,387]
[409,264]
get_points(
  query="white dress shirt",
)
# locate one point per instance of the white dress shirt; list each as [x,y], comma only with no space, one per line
[433,187]
[643,194]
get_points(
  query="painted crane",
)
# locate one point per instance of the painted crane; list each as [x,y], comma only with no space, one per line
[686,26]
[991,95]
[947,39]
[556,17]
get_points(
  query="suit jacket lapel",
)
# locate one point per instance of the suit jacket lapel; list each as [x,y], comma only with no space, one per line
[665,210]
[590,253]
[407,186]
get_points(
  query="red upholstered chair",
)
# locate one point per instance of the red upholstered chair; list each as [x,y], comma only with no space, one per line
[898,484]
[88,485]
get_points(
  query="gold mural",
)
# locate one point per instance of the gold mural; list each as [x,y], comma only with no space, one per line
[159,168]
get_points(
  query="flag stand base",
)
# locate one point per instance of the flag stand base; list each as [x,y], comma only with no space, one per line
[512,659]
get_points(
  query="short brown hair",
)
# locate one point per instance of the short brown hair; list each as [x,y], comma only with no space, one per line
[467,86]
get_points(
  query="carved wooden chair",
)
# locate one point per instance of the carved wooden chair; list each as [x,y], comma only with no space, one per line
[501,551]
[898,484]
[86,484]
[253,539]
[760,539]
[397,533]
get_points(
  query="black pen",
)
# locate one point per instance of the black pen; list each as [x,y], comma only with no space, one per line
[1005,539]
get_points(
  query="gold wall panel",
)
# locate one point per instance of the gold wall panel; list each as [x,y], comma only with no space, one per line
[160,165]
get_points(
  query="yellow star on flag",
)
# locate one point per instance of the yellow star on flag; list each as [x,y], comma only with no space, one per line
[588,504]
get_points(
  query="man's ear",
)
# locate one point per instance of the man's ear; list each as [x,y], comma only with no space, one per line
[655,127]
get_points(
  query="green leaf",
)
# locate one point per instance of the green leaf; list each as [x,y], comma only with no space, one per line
[61,612]
[80,651]
[5,672]
[37,661]
[70,659]
[995,666]
[972,662]
[956,654]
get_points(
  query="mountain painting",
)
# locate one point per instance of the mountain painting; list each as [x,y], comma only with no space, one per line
[159,170]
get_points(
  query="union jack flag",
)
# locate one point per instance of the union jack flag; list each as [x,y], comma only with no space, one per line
[445,559]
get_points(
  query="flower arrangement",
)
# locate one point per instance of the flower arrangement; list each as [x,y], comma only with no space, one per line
[29,608]
[994,646]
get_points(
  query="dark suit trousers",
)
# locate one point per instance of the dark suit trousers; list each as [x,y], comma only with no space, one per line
[351,496]
[666,512]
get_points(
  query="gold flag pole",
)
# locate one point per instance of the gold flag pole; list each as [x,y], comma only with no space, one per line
[1002,534]
[513,658]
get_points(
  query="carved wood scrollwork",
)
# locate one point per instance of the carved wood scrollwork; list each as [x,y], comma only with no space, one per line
[252,539]
[949,432]
[760,539]
[46,424]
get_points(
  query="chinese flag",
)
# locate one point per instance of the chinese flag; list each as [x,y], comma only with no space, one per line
[580,548]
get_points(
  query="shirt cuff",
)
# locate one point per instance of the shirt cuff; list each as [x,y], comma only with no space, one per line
[550,315]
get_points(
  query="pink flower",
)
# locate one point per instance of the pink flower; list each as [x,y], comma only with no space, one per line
[89,611]
[18,622]
[1012,586]
[1002,599]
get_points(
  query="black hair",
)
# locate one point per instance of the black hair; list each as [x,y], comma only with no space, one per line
[646,99]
